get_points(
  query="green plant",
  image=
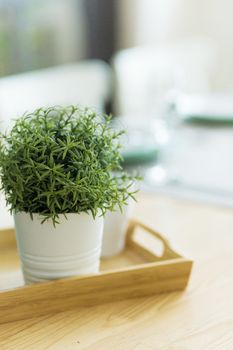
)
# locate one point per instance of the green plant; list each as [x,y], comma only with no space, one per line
[60,160]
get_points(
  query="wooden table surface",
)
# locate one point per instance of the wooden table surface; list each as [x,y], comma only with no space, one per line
[200,318]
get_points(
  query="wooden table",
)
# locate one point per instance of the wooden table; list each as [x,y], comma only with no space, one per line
[200,318]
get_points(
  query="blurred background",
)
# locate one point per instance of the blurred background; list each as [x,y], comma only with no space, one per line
[162,68]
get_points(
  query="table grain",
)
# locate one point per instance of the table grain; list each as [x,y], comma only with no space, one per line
[200,318]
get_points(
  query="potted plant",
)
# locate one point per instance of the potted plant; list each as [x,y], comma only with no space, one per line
[56,168]
[115,226]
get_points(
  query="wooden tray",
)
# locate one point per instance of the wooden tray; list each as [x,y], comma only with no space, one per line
[139,271]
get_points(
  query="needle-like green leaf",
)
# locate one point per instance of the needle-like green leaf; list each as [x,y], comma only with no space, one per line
[60,160]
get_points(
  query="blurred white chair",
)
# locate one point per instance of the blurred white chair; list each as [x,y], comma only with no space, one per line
[144,75]
[86,83]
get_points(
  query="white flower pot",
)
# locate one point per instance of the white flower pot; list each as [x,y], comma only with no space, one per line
[115,226]
[72,248]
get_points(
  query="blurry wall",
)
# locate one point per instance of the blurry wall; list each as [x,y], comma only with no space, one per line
[41,33]
[101,18]
[158,23]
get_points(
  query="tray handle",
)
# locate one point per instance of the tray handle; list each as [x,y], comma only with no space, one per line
[168,252]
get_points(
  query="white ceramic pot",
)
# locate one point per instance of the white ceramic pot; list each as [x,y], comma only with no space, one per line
[72,248]
[115,226]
